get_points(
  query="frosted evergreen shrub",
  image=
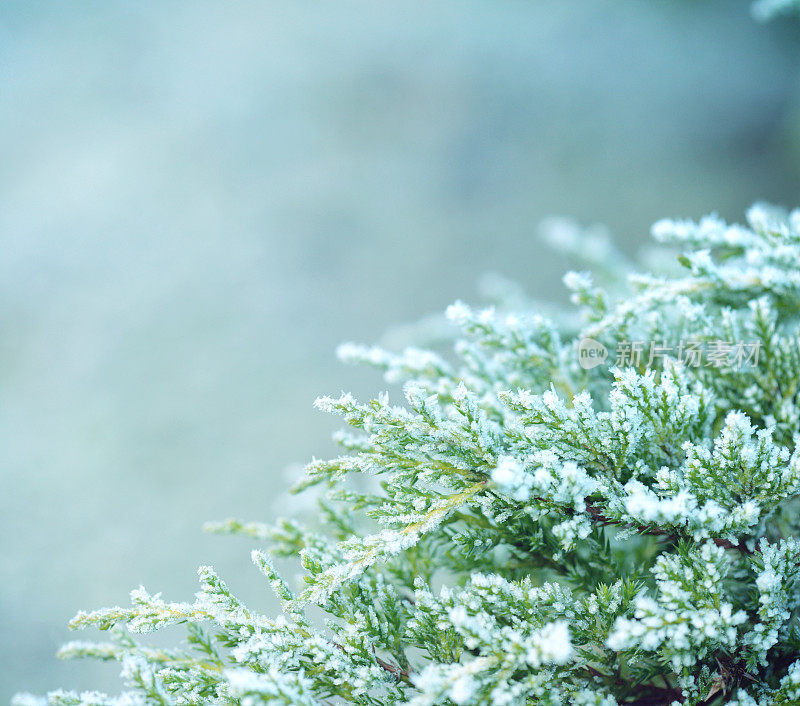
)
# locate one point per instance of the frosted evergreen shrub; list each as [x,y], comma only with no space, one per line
[595,508]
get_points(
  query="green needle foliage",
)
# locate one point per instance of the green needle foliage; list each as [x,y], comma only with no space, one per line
[521,527]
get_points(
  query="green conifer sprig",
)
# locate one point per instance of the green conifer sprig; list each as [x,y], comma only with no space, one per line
[520,527]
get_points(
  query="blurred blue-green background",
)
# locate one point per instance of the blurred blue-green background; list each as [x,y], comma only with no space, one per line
[199,200]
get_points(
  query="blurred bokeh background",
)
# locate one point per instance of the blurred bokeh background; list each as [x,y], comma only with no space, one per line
[199,200]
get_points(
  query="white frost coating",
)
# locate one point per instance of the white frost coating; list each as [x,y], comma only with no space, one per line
[509,472]
[643,505]
[462,690]
[534,495]
[577,281]
[552,645]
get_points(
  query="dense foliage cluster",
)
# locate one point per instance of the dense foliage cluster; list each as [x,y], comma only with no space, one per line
[527,526]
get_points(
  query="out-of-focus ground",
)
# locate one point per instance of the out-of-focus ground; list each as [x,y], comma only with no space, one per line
[199,200]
